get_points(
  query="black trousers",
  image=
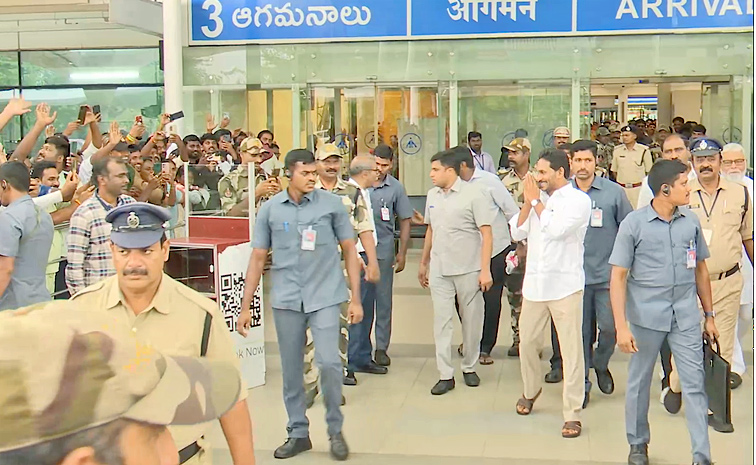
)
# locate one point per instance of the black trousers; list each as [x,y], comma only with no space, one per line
[60,281]
[492,298]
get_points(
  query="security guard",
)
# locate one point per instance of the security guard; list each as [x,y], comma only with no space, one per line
[631,161]
[605,148]
[77,388]
[658,267]
[329,159]
[724,209]
[519,167]
[171,317]
[233,187]
[304,227]
[561,136]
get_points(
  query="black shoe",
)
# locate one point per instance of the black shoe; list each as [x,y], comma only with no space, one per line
[719,426]
[310,397]
[735,381]
[586,399]
[339,448]
[705,462]
[372,368]
[605,381]
[343,400]
[638,455]
[673,402]
[514,351]
[382,358]
[471,379]
[442,387]
[554,376]
[292,447]
[350,379]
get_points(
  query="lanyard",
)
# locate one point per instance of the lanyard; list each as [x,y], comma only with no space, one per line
[105,205]
[475,158]
[703,205]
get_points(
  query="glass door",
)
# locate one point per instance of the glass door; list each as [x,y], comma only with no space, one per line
[717,111]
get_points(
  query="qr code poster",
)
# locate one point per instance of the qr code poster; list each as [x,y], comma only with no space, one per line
[232,268]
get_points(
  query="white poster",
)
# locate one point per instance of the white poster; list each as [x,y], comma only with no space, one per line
[232,264]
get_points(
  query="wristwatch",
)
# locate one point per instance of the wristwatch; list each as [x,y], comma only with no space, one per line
[710,314]
[534,202]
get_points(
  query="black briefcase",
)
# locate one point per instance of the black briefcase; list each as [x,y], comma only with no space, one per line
[717,375]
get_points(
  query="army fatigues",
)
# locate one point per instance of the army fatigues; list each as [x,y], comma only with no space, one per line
[359,215]
[605,155]
[234,188]
[516,187]
[630,167]
[174,325]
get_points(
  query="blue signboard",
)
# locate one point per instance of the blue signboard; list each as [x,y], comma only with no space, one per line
[276,20]
[469,17]
[624,15]
[257,21]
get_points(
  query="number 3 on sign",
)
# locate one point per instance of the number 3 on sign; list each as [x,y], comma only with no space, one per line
[214,17]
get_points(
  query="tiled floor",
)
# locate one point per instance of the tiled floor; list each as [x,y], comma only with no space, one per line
[393,419]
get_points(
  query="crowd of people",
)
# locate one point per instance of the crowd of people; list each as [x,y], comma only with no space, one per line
[640,237]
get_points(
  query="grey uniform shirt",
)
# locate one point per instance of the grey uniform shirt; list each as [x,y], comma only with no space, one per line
[660,286]
[304,279]
[389,194]
[611,200]
[26,233]
[503,205]
[456,218]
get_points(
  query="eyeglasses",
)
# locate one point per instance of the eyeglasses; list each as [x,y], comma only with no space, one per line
[728,163]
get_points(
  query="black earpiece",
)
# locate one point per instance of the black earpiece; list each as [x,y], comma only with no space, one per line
[665,190]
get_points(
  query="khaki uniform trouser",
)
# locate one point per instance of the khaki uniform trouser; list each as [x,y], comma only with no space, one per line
[567,314]
[632,195]
[726,297]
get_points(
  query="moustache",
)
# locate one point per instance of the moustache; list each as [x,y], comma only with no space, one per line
[135,272]
[706,170]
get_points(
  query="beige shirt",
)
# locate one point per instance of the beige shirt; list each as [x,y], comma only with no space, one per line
[726,219]
[456,217]
[173,324]
[633,165]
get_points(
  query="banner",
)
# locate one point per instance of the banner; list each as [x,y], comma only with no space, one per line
[275,21]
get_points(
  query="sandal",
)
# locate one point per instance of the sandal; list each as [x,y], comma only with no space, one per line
[571,429]
[525,406]
[461,350]
[485,359]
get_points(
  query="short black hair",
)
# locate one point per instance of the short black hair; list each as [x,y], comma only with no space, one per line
[581,145]
[474,135]
[448,159]
[221,132]
[295,156]
[39,168]
[699,128]
[566,146]
[678,118]
[265,131]
[384,151]
[557,159]
[672,137]
[100,167]
[61,144]
[464,155]
[208,136]
[191,138]
[664,172]
[521,133]
[16,174]
[275,146]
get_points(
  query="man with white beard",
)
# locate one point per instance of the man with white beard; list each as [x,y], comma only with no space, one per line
[734,168]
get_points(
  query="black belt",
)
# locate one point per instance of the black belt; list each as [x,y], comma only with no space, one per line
[188,452]
[727,273]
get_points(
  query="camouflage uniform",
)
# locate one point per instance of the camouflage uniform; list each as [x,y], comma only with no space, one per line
[358,214]
[656,150]
[234,188]
[605,153]
[601,172]
[516,187]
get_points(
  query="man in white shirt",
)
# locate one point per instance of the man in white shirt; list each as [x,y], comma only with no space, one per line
[673,148]
[734,166]
[505,209]
[555,228]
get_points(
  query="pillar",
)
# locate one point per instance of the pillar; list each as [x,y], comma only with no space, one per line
[173,75]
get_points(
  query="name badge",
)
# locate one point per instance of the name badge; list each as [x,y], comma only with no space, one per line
[385,215]
[309,236]
[597,218]
[691,255]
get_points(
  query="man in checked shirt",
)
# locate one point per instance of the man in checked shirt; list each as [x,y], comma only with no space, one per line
[89,256]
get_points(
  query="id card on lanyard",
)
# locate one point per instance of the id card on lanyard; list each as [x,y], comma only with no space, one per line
[309,236]
[385,214]
[691,256]
[597,217]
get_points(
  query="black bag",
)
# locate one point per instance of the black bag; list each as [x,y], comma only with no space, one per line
[717,381]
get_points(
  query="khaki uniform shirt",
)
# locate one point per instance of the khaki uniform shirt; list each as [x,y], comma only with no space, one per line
[631,166]
[515,185]
[358,212]
[726,219]
[234,188]
[172,324]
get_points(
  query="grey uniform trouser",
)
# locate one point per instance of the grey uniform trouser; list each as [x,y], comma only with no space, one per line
[471,306]
[687,348]
[291,328]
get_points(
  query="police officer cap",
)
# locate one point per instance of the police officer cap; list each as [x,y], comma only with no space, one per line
[704,146]
[628,128]
[137,225]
